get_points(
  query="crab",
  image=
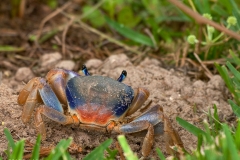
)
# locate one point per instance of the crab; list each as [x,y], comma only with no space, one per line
[95,102]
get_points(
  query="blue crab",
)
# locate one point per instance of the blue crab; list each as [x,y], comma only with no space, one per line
[95,102]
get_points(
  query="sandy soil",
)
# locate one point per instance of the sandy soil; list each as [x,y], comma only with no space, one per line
[178,94]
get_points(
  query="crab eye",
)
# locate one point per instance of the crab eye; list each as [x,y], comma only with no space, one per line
[85,70]
[122,76]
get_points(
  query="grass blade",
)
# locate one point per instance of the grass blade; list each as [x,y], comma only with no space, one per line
[160,154]
[230,143]
[237,135]
[190,127]
[36,149]
[217,125]
[9,138]
[98,153]
[200,142]
[11,49]
[234,57]
[129,33]
[235,108]
[59,150]
[129,155]
[233,70]
[18,150]
[224,74]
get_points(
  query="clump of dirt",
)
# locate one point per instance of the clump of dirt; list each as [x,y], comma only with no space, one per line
[176,93]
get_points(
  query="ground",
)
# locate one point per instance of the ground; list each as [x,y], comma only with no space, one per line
[178,94]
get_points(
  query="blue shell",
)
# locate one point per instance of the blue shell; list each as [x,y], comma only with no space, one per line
[101,94]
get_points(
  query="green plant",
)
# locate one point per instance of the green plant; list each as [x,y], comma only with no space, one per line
[15,150]
[231,78]
[165,21]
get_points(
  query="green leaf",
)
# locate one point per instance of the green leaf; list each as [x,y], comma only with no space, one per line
[98,152]
[11,49]
[94,16]
[125,16]
[129,155]
[230,143]
[233,70]
[112,154]
[9,138]
[235,108]
[200,142]
[219,10]
[235,59]
[206,6]
[18,150]
[52,3]
[237,135]
[224,74]
[129,33]
[48,35]
[160,154]
[235,11]
[153,7]
[36,149]
[60,149]
[190,127]
[217,124]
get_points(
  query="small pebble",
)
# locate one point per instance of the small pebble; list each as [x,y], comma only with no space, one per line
[24,74]
[49,60]
[65,64]
[93,63]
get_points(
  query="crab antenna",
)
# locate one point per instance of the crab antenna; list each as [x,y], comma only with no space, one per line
[85,70]
[122,76]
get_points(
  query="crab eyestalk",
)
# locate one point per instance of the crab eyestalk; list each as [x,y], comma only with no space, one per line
[85,70]
[122,76]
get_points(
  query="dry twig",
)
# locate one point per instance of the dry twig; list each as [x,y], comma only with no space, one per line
[208,73]
[202,20]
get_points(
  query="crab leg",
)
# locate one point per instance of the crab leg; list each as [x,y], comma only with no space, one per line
[152,122]
[53,115]
[139,126]
[141,95]
[24,93]
[171,136]
[29,97]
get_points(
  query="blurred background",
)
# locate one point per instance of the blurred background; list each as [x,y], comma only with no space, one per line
[79,30]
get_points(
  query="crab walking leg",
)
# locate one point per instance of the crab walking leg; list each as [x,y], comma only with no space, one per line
[24,93]
[139,126]
[171,136]
[53,115]
[30,102]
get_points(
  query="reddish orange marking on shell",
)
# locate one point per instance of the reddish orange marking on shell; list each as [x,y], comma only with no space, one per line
[90,116]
